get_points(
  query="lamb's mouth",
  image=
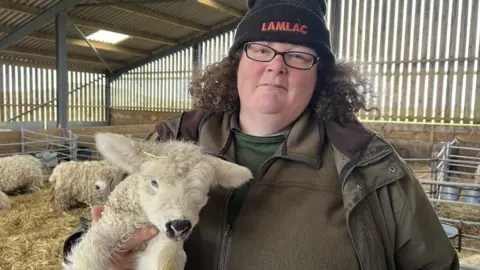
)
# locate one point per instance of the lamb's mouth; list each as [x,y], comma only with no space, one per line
[181,237]
[178,230]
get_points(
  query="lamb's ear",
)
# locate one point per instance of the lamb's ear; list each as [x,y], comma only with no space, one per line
[120,150]
[228,174]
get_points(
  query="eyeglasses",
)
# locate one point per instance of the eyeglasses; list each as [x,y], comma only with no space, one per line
[294,59]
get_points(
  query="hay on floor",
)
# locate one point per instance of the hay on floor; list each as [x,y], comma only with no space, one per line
[32,234]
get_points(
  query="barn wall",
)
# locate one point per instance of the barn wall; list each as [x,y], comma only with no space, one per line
[410,140]
[138,117]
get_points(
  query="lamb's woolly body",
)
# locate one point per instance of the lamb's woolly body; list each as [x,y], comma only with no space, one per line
[168,181]
[121,216]
[5,204]
[74,182]
[20,172]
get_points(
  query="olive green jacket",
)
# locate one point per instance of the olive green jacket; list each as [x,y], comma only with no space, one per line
[390,219]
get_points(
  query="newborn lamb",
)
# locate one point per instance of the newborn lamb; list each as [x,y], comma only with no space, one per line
[83,182]
[20,173]
[167,187]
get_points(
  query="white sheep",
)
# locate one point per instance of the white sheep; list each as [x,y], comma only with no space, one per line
[20,173]
[83,182]
[5,204]
[168,187]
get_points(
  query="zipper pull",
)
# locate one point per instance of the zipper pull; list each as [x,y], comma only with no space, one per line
[228,230]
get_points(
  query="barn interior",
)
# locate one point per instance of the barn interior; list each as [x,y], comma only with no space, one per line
[71,68]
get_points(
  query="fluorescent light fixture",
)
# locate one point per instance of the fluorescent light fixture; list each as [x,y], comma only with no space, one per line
[107,37]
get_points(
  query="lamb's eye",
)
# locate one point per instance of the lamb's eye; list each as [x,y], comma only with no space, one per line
[154,183]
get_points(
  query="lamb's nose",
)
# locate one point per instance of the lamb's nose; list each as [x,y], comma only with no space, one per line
[179,226]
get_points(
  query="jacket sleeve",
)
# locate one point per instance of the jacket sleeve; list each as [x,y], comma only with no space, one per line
[421,242]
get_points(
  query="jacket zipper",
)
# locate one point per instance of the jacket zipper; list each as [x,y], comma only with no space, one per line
[227,232]
[343,175]
[227,227]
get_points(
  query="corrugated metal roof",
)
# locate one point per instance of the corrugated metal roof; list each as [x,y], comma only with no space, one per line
[71,30]
[139,44]
[130,21]
[239,5]
[10,18]
[188,11]
[36,3]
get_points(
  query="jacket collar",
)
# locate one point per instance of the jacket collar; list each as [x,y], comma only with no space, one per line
[352,141]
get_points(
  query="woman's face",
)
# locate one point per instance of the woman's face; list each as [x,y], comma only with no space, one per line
[273,87]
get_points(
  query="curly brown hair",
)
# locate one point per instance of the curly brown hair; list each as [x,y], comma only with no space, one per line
[340,91]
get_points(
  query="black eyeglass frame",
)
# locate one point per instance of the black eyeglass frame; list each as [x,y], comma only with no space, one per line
[315,58]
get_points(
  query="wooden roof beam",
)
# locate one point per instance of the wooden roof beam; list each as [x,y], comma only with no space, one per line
[70,57]
[92,24]
[222,7]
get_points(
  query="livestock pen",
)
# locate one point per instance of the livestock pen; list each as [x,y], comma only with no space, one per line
[31,233]
[449,179]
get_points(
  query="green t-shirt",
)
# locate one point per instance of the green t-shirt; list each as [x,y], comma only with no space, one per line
[251,152]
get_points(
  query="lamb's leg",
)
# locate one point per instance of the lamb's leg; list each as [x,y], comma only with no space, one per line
[94,251]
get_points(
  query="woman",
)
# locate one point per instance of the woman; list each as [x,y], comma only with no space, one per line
[328,193]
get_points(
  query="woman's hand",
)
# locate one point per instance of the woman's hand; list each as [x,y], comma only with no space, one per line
[126,259]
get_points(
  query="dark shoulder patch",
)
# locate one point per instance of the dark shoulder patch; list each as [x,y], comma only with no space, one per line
[182,126]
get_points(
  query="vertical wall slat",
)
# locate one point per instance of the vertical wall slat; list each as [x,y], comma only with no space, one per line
[457,43]
[21,93]
[409,85]
[422,78]
[463,32]
[15,91]
[431,83]
[34,89]
[440,69]
[3,89]
[28,94]
[476,68]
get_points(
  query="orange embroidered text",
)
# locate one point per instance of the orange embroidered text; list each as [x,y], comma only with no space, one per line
[284,26]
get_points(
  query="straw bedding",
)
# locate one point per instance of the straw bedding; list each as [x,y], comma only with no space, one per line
[32,234]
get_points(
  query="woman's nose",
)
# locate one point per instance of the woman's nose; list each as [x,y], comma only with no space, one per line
[277,64]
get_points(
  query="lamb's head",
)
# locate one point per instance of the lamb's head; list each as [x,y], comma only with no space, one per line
[174,178]
[109,177]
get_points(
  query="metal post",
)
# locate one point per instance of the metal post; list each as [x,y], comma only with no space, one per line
[75,146]
[23,141]
[62,69]
[197,57]
[337,9]
[108,100]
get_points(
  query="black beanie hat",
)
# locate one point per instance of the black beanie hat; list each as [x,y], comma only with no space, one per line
[300,22]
